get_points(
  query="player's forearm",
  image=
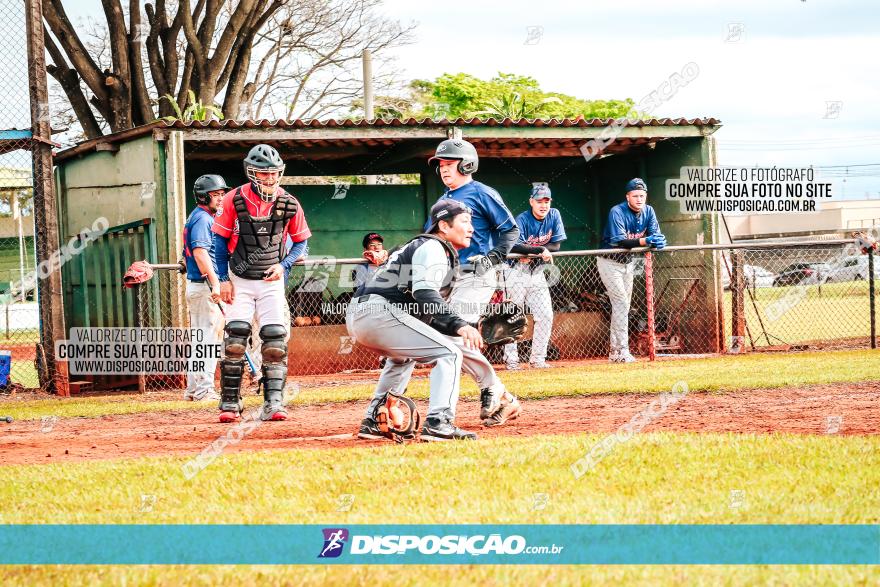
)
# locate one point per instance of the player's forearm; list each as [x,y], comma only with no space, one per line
[506,241]
[298,250]
[553,247]
[443,317]
[629,243]
[205,264]
[221,257]
[524,249]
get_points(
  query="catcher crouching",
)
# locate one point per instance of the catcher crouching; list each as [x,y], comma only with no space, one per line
[402,312]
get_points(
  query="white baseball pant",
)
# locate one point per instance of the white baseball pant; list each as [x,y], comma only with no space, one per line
[527,286]
[618,280]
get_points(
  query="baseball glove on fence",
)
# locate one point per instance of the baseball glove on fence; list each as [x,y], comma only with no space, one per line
[865,242]
[139,272]
[503,323]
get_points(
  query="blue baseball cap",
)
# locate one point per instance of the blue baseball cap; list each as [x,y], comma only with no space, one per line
[541,191]
[636,183]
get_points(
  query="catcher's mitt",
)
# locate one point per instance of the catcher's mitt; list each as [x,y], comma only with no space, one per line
[503,323]
[865,242]
[376,257]
[139,272]
[398,417]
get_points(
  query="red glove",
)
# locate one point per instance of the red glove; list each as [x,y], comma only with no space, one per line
[376,257]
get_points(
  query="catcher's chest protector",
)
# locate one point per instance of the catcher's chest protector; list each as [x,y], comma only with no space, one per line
[260,239]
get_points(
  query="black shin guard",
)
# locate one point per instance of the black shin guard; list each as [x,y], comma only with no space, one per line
[274,351]
[238,333]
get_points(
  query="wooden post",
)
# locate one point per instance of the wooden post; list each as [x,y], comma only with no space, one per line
[52,375]
[737,304]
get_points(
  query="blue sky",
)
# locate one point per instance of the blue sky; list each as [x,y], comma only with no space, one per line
[767,69]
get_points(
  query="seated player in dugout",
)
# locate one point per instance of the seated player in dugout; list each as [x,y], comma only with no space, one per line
[250,234]
[375,254]
[541,233]
[632,223]
[202,283]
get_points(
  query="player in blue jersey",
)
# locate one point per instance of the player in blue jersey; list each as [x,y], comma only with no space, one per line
[494,234]
[631,224]
[202,283]
[540,232]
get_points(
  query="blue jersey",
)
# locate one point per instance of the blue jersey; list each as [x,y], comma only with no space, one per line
[537,233]
[489,216]
[197,235]
[624,224]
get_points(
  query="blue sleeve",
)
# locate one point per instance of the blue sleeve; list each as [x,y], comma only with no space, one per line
[296,251]
[200,234]
[497,212]
[653,224]
[221,257]
[616,227]
[522,223]
[558,228]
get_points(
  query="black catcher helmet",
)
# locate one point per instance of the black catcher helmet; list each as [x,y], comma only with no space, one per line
[456,149]
[263,158]
[206,184]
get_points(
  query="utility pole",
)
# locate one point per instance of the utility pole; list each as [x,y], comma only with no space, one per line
[368,97]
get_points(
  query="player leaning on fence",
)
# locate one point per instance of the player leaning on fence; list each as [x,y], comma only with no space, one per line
[250,234]
[631,224]
[540,232]
[202,283]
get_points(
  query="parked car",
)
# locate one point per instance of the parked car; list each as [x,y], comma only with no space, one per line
[853,268]
[801,274]
[754,276]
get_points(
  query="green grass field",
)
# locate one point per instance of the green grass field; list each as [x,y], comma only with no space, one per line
[655,478]
[834,311]
[663,478]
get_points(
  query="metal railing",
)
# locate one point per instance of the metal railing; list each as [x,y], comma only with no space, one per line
[686,300]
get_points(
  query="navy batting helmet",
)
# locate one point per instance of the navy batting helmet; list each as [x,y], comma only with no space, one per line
[206,184]
[459,149]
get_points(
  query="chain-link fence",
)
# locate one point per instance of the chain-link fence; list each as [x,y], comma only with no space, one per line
[592,305]
[19,313]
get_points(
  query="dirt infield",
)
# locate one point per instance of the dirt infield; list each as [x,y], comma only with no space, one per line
[817,409]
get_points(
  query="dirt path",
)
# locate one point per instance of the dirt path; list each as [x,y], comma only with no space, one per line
[806,410]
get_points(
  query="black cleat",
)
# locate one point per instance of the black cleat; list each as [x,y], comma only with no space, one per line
[370,430]
[489,402]
[443,430]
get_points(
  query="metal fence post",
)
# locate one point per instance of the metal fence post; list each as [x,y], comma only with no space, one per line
[649,302]
[871,300]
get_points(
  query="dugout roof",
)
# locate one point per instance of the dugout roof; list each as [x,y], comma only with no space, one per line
[383,145]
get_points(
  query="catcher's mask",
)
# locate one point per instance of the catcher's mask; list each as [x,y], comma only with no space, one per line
[264,158]
[398,417]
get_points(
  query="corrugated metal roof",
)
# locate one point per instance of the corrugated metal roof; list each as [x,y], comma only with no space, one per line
[427,123]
